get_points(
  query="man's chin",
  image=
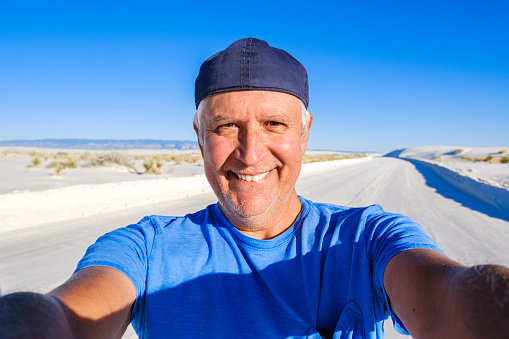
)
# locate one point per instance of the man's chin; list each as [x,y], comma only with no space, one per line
[251,212]
[246,210]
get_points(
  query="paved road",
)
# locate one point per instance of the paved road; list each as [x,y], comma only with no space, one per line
[41,258]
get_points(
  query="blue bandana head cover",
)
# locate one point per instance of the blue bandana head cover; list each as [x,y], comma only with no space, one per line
[251,64]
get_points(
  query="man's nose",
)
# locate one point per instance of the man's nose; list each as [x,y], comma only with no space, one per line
[252,147]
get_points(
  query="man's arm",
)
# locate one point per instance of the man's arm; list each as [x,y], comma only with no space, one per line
[436,297]
[95,302]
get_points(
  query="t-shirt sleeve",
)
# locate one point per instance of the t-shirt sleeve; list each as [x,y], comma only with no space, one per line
[388,234]
[125,249]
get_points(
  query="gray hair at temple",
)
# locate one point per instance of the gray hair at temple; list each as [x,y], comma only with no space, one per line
[198,119]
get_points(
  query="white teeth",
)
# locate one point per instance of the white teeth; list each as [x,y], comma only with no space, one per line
[252,177]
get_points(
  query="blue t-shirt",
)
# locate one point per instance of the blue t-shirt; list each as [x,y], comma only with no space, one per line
[197,276]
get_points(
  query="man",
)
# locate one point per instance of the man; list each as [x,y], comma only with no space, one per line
[264,262]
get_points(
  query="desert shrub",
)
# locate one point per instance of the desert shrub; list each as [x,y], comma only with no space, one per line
[148,165]
[488,158]
[473,159]
[458,151]
[10,151]
[192,158]
[111,159]
[59,169]
[69,164]
[177,159]
[504,160]
[59,166]
[85,156]
[180,158]
[309,158]
[150,169]
[36,161]
[153,170]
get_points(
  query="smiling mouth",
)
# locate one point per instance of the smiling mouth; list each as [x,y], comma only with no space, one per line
[254,178]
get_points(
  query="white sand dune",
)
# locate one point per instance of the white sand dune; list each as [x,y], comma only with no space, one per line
[44,231]
[456,159]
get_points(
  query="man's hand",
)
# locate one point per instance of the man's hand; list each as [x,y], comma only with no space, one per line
[436,297]
[32,315]
[483,300]
[94,303]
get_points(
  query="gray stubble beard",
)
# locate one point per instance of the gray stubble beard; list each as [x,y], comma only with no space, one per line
[248,224]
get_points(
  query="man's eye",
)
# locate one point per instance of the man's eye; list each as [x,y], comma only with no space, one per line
[224,128]
[228,125]
[274,124]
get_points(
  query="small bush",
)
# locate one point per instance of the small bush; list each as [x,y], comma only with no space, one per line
[473,159]
[502,151]
[111,159]
[504,160]
[309,158]
[190,158]
[86,156]
[488,158]
[148,165]
[59,166]
[458,151]
[59,169]
[153,170]
[36,161]
[69,164]
[10,151]
[150,169]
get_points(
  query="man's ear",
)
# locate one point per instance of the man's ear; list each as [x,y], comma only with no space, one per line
[304,141]
[197,131]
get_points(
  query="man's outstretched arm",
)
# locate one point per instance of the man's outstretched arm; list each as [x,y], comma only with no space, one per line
[436,297]
[94,303]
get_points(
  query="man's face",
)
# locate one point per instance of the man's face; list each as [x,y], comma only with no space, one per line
[252,149]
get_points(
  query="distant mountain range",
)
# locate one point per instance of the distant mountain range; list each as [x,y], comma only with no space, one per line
[106,144]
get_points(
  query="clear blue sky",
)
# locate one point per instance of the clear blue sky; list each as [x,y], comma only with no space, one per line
[383,75]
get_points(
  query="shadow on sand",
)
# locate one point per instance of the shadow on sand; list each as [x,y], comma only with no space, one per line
[445,189]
